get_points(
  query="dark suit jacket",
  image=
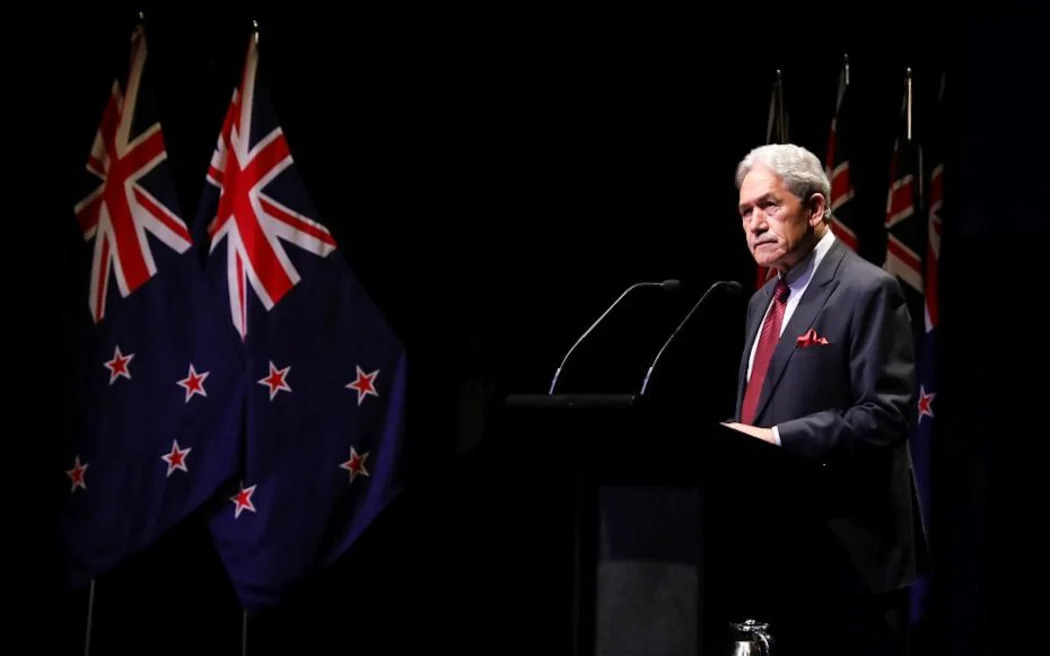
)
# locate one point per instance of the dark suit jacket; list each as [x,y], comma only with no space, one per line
[838,501]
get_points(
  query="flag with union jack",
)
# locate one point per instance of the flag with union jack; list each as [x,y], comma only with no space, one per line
[327,375]
[157,408]
[837,165]
[904,231]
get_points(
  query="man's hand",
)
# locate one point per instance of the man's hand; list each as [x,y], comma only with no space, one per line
[764,434]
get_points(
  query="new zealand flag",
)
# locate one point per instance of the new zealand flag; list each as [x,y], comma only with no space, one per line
[913,254]
[157,415]
[326,392]
[926,369]
[904,231]
[843,212]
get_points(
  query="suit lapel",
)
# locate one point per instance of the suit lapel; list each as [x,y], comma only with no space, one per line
[809,306]
[756,315]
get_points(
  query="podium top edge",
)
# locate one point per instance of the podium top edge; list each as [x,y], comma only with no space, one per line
[570,400]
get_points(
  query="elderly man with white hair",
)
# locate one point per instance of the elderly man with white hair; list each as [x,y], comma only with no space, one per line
[817,532]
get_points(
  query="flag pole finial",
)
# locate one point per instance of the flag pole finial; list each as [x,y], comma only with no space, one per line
[255,31]
[845,64]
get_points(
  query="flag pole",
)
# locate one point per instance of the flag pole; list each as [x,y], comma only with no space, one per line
[780,107]
[908,73]
[90,617]
[255,31]
[244,635]
[845,59]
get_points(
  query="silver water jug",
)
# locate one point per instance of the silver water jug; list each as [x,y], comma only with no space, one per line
[751,638]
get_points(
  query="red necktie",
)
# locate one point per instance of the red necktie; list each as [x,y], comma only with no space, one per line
[767,343]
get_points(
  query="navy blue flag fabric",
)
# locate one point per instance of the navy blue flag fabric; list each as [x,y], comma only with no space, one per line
[326,374]
[156,426]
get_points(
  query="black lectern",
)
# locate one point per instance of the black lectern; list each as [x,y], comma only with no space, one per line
[631,472]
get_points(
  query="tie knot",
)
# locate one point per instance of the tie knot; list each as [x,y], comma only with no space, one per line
[780,293]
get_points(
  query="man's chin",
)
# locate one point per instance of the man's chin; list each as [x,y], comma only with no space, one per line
[767,257]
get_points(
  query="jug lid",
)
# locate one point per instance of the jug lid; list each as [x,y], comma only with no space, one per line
[750,626]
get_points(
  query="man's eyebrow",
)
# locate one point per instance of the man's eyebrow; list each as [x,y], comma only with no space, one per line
[761,198]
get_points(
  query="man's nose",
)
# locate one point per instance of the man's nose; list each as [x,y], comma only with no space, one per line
[757,222]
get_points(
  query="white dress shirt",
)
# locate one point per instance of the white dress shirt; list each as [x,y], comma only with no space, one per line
[798,279]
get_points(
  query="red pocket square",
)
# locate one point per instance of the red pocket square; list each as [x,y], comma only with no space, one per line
[811,338]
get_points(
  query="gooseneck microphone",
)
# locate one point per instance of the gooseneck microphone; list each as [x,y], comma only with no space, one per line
[668,285]
[732,285]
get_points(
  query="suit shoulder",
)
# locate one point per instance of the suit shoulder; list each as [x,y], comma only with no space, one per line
[870,290]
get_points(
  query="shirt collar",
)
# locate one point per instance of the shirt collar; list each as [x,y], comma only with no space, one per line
[798,276]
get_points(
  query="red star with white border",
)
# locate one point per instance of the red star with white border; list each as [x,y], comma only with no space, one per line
[118,366]
[364,385]
[243,500]
[177,458]
[925,403]
[193,383]
[77,475]
[275,380]
[356,464]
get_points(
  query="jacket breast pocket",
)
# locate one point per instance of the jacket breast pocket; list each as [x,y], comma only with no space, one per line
[816,351]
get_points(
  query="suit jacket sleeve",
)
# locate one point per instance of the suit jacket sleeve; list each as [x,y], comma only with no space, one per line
[882,381]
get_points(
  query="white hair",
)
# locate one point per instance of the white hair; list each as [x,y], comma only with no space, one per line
[800,170]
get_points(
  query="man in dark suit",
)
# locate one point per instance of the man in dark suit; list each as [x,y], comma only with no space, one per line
[817,532]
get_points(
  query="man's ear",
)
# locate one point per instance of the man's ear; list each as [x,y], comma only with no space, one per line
[818,208]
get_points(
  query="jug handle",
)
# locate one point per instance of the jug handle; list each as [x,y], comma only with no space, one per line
[765,642]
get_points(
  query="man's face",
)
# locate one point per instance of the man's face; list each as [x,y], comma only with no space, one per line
[779,227]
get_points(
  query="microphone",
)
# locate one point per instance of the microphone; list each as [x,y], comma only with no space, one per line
[668,285]
[732,285]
